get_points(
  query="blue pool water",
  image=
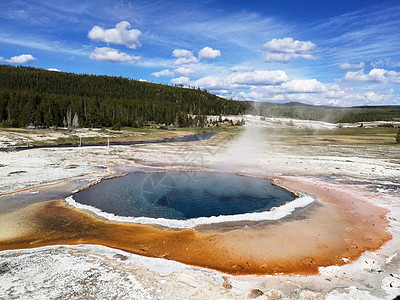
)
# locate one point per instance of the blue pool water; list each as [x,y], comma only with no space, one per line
[183,195]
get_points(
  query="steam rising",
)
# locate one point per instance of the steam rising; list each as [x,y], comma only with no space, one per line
[245,152]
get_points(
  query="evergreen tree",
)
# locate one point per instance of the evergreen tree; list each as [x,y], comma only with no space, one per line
[44,98]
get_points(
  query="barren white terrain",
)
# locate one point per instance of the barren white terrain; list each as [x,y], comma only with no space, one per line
[98,272]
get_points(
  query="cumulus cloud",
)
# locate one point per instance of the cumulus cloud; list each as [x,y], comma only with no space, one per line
[284,50]
[163,73]
[20,59]
[208,53]
[181,80]
[119,35]
[113,55]
[331,95]
[53,69]
[374,76]
[214,83]
[259,78]
[184,57]
[237,80]
[347,65]
[379,98]
[185,71]
[277,86]
[304,86]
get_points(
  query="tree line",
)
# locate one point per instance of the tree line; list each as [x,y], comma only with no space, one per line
[37,97]
[327,113]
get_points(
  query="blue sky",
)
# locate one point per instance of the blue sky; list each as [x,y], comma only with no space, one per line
[320,52]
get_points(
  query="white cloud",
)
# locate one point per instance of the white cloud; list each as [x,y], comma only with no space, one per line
[185,71]
[374,76]
[259,78]
[181,80]
[208,53]
[53,69]
[347,65]
[113,55]
[214,83]
[304,86]
[119,35]
[237,80]
[355,76]
[393,76]
[277,86]
[184,57]
[20,59]
[330,95]
[283,50]
[163,73]
[379,98]
[240,69]
[288,45]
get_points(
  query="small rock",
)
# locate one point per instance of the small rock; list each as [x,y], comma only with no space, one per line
[311,295]
[120,256]
[274,295]
[254,293]
[226,283]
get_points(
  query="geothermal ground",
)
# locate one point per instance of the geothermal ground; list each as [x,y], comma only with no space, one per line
[344,245]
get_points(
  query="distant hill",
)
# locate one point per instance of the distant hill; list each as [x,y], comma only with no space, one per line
[31,96]
[298,110]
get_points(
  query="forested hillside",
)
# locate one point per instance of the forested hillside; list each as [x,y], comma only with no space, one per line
[30,96]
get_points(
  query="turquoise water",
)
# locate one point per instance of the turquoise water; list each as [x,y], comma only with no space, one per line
[183,195]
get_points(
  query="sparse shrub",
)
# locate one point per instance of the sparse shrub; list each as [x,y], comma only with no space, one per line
[16,172]
[72,166]
[116,126]
[398,137]
[389,125]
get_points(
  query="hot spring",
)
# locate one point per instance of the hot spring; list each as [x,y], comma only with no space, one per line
[183,195]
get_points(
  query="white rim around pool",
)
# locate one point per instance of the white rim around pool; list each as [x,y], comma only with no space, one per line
[274,213]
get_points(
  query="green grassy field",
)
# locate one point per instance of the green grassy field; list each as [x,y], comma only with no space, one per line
[339,136]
